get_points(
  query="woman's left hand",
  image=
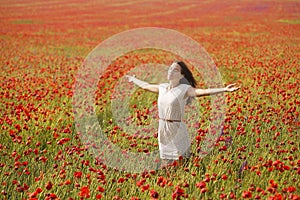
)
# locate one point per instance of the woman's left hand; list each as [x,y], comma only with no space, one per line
[231,87]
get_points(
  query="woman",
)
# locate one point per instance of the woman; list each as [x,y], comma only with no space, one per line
[173,136]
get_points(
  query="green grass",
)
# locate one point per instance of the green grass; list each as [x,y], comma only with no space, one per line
[27,21]
[289,21]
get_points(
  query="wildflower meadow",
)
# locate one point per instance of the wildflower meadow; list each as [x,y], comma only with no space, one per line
[44,152]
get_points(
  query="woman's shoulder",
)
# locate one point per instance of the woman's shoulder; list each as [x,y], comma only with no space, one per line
[185,86]
[163,85]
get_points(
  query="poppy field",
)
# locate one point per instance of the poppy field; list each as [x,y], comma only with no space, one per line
[43,155]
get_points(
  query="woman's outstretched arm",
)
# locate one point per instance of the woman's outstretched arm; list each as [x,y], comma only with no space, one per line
[196,92]
[143,84]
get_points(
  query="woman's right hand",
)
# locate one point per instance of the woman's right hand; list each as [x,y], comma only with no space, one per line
[130,78]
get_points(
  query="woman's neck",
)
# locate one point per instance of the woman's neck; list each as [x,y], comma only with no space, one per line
[173,84]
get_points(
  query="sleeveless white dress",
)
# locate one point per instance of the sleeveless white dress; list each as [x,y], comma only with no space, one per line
[173,137]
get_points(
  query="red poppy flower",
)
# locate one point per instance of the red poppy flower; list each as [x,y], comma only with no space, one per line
[154,194]
[247,195]
[84,192]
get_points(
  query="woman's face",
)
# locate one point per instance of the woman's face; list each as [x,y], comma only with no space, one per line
[174,72]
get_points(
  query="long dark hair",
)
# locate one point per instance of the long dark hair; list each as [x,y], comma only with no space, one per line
[188,76]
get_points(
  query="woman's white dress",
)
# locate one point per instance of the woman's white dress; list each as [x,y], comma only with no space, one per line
[173,137]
